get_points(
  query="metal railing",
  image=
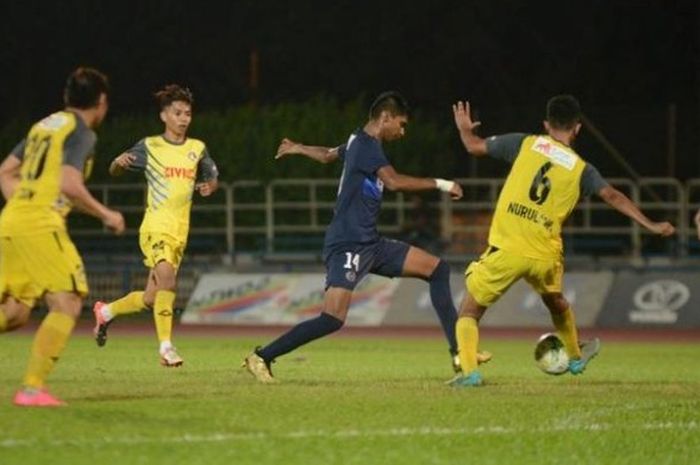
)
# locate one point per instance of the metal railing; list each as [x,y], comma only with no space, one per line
[292,215]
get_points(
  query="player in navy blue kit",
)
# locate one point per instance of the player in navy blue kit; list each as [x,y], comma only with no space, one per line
[352,246]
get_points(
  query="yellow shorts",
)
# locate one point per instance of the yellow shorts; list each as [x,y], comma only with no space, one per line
[158,247]
[45,262]
[492,275]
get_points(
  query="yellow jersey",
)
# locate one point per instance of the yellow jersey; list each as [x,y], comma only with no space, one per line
[37,205]
[541,190]
[171,172]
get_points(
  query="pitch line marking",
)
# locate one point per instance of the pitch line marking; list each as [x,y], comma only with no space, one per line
[351,433]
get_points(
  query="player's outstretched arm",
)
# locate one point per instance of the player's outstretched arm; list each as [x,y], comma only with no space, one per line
[73,187]
[624,205]
[400,182]
[463,120]
[318,153]
[121,164]
[9,175]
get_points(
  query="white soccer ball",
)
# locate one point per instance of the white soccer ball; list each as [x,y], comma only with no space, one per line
[550,355]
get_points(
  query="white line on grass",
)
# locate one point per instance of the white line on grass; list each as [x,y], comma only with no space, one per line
[350,433]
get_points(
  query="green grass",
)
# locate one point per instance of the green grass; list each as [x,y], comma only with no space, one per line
[352,401]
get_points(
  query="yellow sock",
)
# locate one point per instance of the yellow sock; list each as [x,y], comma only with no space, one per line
[3,321]
[49,342]
[163,314]
[130,303]
[467,332]
[565,323]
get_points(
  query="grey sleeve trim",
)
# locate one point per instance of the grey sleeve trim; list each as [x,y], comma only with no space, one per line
[505,147]
[591,181]
[140,151]
[206,168]
[78,146]
[18,151]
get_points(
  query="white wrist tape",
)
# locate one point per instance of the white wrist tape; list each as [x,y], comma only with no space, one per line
[444,185]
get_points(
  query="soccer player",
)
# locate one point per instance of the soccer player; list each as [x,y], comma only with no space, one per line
[174,166]
[352,246]
[546,179]
[42,178]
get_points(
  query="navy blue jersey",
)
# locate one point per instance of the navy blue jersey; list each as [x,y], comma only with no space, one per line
[359,194]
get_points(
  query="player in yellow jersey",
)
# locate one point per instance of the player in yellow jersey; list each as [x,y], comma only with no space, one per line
[175,166]
[545,182]
[42,178]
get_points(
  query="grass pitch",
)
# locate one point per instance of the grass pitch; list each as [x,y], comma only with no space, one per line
[352,401]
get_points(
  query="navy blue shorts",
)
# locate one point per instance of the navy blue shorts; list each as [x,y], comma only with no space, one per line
[345,267]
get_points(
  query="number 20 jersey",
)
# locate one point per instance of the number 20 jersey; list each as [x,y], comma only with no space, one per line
[542,188]
[37,205]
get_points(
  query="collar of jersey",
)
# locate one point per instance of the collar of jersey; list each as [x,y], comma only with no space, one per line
[168,141]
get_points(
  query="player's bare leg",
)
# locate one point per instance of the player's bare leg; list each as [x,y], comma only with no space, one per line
[13,314]
[336,304]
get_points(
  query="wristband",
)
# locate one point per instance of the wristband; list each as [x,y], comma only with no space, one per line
[444,185]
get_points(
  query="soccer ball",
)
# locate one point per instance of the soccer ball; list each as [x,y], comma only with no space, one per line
[550,355]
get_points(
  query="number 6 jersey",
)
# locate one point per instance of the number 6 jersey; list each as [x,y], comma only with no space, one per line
[543,186]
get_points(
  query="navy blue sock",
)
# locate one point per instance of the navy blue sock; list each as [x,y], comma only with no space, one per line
[441,297]
[304,332]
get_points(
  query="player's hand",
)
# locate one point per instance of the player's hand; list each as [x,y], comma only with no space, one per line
[207,188]
[697,222]
[114,221]
[664,229]
[463,117]
[287,147]
[125,160]
[456,192]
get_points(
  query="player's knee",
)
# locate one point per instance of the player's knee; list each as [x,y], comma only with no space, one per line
[165,282]
[67,303]
[16,315]
[332,322]
[19,319]
[441,272]
[148,301]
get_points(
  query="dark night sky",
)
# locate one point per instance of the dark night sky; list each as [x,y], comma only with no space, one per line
[625,60]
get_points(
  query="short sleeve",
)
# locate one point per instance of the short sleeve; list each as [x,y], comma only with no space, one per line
[206,168]
[505,147]
[591,181]
[78,147]
[18,151]
[371,159]
[140,153]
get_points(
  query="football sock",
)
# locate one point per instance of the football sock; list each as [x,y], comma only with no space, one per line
[163,314]
[3,321]
[49,342]
[130,303]
[441,297]
[304,332]
[565,323]
[468,341]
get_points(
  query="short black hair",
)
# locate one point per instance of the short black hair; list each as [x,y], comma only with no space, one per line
[390,101]
[173,93]
[563,112]
[84,87]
